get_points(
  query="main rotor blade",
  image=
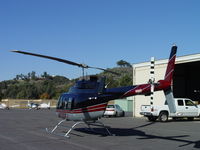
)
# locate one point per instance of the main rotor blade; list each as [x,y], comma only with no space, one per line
[52,58]
[62,60]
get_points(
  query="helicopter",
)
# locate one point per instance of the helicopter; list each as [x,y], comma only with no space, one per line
[86,101]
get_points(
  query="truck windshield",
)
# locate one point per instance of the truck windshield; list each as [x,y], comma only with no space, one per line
[189,103]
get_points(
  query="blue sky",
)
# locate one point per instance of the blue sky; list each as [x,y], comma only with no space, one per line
[94,32]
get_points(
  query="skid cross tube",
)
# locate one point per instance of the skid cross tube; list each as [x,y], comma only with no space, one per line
[89,124]
[66,135]
[98,124]
[56,126]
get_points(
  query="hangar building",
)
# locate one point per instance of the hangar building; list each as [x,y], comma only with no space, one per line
[186,80]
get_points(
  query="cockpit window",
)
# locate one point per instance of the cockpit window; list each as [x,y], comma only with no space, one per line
[65,102]
[70,103]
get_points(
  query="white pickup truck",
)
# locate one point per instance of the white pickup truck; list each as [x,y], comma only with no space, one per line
[185,108]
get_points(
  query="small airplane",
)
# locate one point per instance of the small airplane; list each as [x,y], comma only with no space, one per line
[32,105]
[3,106]
[44,105]
[86,101]
[38,106]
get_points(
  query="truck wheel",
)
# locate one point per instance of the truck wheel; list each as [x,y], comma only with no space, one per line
[152,118]
[163,117]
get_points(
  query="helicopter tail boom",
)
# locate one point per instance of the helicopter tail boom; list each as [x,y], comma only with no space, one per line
[144,89]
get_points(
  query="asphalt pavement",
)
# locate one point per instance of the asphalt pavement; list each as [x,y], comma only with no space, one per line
[25,130]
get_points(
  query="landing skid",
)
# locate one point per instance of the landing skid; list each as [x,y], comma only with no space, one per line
[88,123]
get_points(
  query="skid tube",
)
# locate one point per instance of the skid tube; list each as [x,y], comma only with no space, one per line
[88,123]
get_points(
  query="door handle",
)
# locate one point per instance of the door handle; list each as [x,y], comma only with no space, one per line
[186,107]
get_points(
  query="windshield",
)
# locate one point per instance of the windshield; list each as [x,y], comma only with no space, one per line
[189,103]
[65,102]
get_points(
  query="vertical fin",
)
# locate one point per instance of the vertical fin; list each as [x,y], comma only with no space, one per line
[168,77]
[171,65]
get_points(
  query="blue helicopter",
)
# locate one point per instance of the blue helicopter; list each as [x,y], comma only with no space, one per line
[87,100]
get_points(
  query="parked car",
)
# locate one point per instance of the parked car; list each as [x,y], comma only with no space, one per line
[114,110]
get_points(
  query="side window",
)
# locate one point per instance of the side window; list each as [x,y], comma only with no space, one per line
[70,103]
[189,103]
[65,103]
[118,107]
[180,103]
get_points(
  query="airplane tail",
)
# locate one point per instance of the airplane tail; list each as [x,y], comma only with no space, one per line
[171,65]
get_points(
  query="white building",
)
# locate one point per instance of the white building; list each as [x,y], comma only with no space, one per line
[186,80]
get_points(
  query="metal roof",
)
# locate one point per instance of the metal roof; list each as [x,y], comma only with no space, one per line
[179,60]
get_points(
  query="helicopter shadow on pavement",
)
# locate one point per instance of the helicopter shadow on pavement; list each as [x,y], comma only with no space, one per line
[139,134]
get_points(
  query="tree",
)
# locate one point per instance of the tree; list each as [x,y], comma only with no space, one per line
[45,96]
[31,91]
[125,81]
[46,75]
[122,63]
[11,91]
[17,77]
[33,75]
[111,82]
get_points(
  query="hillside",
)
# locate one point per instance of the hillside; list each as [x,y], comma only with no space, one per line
[50,87]
[124,79]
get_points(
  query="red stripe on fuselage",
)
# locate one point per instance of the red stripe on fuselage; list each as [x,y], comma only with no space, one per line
[146,88]
[140,89]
